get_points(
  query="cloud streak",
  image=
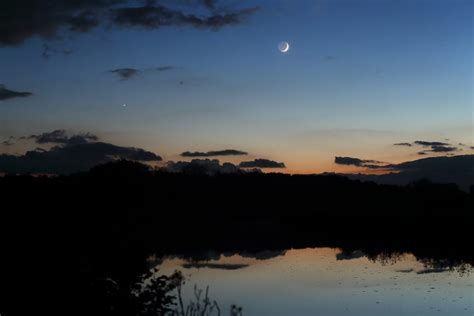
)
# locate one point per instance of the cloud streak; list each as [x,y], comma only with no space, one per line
[366,163]
[443,149]
[125,73]
[213,153]
[429,144]
[432,146]
[261,163]
[435,147]
[6,94]
[129,73]
[60,137]
[403,144]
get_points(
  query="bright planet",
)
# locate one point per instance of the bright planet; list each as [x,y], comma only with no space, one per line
[283,47]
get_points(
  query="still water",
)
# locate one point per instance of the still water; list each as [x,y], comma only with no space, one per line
[324,281]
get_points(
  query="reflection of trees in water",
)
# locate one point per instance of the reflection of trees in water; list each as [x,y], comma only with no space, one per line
[436,266]
[203,255]
[431,265]
[385,258]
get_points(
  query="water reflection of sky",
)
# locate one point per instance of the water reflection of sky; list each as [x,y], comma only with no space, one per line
[316,282]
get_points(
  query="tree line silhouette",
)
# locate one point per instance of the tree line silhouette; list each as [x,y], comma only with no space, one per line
[111,218]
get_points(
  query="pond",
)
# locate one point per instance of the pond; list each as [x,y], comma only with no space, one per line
[326,281]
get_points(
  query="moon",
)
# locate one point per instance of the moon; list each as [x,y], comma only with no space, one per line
[283,47]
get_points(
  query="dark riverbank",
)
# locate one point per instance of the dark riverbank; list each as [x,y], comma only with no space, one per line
[109,220]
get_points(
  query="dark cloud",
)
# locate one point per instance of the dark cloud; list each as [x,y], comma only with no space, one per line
[261,163]
[72,153]
[350,161]
[403,144]
[125,73]
[153,16]
[435,147]
[23,19]
[71,158]
[443,149]
[6,94]
[225,152]
[429,144]
[221,266]
[129,73]
[81,139]
[148,17]
[201,166]
[84,21]
[60,137]
[7,143]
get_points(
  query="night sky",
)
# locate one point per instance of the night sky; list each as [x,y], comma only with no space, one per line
[175,76]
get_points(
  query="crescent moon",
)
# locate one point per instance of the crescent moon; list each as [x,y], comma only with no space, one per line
[284,47]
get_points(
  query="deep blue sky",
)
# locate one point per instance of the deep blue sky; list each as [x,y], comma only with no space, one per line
[359,76]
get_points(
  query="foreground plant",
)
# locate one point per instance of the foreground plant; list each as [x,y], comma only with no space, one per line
[155,297]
